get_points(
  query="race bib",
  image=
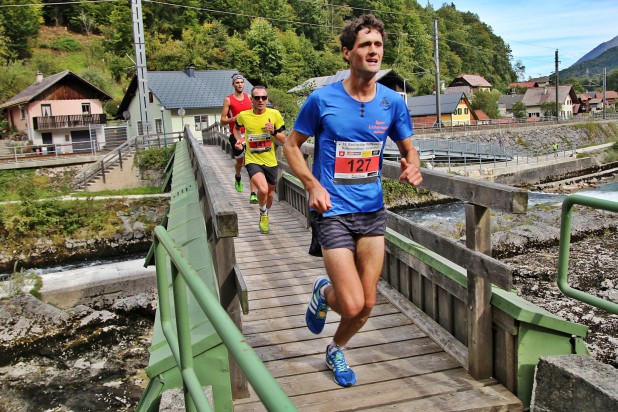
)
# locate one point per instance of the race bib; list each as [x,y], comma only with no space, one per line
[357,162]
[259,143]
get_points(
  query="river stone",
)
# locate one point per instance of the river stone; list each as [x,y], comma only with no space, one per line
[23,315]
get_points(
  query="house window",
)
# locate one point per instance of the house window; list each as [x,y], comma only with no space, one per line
[158,126]
[466,111]
[140,127]
[150,97]
[459,111]
[85,108]
[22,113]
[46,110]
[201,122]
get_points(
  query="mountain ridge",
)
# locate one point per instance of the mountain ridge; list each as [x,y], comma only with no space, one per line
[597,51]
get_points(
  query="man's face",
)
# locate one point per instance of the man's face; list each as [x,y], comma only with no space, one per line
[239,85]
[259,99]
[366,55]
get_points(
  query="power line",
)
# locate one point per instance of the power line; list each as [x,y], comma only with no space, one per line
[55,4]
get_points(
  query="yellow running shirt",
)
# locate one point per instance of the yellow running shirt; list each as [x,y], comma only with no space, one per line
[260,143]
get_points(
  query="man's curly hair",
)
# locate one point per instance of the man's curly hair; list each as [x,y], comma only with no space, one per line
[366,21]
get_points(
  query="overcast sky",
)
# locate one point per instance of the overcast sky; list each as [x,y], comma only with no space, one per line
[535,29]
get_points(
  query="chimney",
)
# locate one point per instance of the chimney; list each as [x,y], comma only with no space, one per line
[190,71]
[38,78]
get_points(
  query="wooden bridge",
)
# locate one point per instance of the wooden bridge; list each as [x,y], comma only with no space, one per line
[396,363]
[441,337]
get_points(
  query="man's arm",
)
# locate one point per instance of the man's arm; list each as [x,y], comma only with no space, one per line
[225,111]
[238,135]
[319,198]
[410,162]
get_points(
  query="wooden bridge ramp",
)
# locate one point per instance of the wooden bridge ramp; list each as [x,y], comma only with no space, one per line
[397,365]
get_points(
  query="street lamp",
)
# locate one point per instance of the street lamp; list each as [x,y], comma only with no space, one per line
[163,124]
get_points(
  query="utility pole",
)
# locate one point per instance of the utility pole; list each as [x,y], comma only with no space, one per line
[140,63]
[557,85]
[604,89]
[437,62]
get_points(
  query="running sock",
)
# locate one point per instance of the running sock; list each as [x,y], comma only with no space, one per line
[253,194]
[264,210]
[332,346]
[237,178]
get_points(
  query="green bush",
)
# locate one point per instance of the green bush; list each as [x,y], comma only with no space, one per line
[153,158]
[67,44]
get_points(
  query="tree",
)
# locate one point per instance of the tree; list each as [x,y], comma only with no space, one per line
[14,77]
[5,54]
[239,56]
[519,110]
[263,40]
[21,26]
[487,102]
[549,109]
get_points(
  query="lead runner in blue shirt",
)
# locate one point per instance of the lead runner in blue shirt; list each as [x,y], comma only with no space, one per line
[350,121]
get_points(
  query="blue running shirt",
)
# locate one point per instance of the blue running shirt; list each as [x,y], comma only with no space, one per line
[349,140]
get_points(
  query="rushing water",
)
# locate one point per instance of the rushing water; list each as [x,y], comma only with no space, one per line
[454,212]
[449,212]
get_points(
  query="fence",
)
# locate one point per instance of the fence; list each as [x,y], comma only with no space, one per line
[120,154]
[493,124]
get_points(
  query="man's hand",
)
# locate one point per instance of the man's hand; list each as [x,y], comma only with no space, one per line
[239,143]
[270,127]
[319,199]
[410,173]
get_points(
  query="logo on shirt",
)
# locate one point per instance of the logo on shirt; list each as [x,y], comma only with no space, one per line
[385,104]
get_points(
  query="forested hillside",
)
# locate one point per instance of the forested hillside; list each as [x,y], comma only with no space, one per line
[590,72]
[279,43]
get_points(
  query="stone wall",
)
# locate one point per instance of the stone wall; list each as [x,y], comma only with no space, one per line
[542,138]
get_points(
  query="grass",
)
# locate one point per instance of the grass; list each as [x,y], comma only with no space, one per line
[21,282]
[144,190]
[49,185]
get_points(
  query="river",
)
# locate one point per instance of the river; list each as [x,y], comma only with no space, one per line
[454,212]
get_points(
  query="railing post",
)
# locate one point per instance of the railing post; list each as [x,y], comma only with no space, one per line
[120,159]
[103,170]
[480,336]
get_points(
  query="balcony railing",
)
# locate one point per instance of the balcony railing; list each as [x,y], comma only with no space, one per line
[68,121]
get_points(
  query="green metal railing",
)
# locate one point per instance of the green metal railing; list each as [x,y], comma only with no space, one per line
[565,243]
[267,388]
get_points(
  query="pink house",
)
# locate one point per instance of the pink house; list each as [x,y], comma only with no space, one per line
[62,113]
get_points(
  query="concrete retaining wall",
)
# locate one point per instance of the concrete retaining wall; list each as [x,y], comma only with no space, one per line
[574,383]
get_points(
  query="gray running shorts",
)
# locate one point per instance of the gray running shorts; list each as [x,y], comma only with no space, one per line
[342,231]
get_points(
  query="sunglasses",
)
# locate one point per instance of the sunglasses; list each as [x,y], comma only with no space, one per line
[260,97]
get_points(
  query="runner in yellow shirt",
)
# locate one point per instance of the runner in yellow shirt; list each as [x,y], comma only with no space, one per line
[262,126]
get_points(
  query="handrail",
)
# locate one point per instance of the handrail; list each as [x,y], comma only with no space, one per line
[565,242]
[83,177]
[116,156]
[269,392]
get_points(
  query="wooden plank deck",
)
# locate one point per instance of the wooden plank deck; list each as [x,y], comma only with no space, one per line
[397,365]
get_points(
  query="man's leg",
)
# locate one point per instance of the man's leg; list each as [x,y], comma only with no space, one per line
[262,186]
[354,280]
[238,168]
[352,294]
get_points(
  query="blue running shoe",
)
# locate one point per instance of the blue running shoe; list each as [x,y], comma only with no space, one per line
[316,312]
[344,376]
